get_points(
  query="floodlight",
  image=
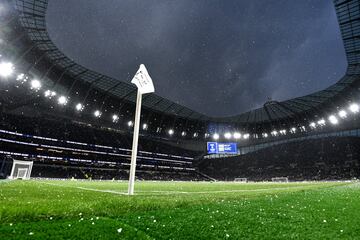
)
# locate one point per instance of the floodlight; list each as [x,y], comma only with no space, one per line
[293,130]
[171,132]
[62,100]
[35,84]
[216,136]
[183,133]
[195,134]
[49,93]
[312,125]
[354,108]
[115,118]
[333,120]
[79,107]
[97,113]
[6,69]
[265,135]
[246,136]
[130,123]
[274,133]
[342,114]
[145,126]
[206,135]
[283,131]
[237,135]
[20,77]
[321,122]
[227,135]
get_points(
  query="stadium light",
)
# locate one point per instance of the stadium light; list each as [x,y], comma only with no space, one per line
[49,94]
[145,126]
[333,120]
[246,136]
[283,131]
[342,114]
[97,113]
[321,122]
[21,77]
[216,136]
[265,135]
[79,107]
[206,135]
[354,108]
[195,134]
[35,84]
[293,130]
[6,69]
[227,135]
[274,133]
[62,100]
[115,118]
[312,125]
[171,132]
[183,133]
[303,129]
[130,123]
[237,135]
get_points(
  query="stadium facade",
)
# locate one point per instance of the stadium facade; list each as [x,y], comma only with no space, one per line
[65,115]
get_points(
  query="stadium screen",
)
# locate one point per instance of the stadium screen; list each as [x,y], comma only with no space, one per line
[221,148]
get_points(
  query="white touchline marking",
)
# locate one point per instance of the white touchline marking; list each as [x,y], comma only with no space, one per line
[175,192]
[88,189]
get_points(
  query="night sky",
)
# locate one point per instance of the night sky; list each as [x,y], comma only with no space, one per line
[214,56]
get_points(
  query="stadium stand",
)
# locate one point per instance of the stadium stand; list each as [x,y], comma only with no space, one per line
[332,158]
[69,149]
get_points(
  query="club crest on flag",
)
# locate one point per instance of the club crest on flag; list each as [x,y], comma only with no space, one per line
[143,80]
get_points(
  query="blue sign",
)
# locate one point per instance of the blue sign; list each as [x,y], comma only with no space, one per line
[212,147]
[221,148]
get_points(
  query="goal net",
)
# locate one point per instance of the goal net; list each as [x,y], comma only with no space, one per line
[21,169]
[241,180]
[280,179]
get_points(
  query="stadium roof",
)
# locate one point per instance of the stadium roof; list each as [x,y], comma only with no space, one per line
[32,19]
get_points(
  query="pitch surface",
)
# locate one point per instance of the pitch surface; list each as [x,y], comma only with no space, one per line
[178,210]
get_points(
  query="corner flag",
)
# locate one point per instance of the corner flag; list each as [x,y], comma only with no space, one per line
[145,85]
[143,80]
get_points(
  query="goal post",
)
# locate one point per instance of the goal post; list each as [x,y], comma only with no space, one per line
[280,179]
[243,180]
[21,169]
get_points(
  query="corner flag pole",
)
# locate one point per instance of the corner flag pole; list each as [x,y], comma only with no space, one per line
[135,144]
[144,84]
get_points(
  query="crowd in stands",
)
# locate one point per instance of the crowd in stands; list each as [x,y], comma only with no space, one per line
[98,173]
[329,158]
[63,170]
[69,130]
[83,151]
[334,158]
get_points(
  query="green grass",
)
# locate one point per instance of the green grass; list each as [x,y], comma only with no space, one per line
[179,210]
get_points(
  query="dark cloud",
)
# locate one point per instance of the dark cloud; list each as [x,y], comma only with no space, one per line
[217,57]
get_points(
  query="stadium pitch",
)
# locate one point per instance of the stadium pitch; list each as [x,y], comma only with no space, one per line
[39,209]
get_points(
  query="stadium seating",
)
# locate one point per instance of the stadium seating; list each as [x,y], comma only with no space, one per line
[72,149]
[332,158]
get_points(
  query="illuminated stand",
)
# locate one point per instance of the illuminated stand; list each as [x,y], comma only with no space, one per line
[145,85]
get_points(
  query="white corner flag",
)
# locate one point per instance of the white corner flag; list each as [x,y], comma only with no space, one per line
[143,80]
[144,83]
